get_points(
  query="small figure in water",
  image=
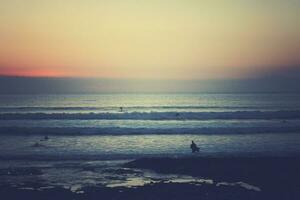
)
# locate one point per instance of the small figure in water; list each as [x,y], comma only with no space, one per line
[194,147]
[45,138]
[121,109]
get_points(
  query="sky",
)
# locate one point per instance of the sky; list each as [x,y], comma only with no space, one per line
[158,39]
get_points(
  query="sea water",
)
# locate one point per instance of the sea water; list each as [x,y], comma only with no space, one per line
[98,130]
[130,125]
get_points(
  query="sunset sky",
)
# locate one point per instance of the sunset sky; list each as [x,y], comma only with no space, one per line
[161,39]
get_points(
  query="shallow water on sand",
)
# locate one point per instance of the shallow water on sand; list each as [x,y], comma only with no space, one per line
[39,175]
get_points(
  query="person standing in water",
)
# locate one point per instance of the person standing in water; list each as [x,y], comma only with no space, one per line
[194,147]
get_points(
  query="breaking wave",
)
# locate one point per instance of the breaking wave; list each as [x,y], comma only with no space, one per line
[155,115]
[143,131]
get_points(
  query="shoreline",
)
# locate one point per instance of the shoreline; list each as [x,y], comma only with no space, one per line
[276,178]
[261,171]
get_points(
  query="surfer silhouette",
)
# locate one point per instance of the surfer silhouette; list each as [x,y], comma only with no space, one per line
[194,147]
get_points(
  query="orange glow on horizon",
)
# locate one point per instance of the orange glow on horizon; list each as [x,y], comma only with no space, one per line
[31,73]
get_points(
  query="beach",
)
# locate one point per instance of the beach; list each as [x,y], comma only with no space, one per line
[88,147]
[176,178]
[149,100]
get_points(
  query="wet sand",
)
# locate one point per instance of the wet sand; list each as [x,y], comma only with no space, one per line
[261,178]
[255,170]
[155,191]
[275,176]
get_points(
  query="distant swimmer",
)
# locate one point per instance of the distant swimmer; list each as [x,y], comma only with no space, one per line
[194,147]
[121,109]
[45,138]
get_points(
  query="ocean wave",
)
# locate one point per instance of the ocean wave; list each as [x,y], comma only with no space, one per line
[117,108]
[121,158]
[74,157]
[154,115]
[144,131]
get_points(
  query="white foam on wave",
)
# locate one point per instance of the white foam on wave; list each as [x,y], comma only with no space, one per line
[144,131]
[284,114]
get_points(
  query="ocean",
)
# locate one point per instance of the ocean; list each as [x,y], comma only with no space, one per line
[106,129]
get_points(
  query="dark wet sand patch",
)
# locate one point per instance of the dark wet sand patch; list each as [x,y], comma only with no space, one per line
[278,178]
